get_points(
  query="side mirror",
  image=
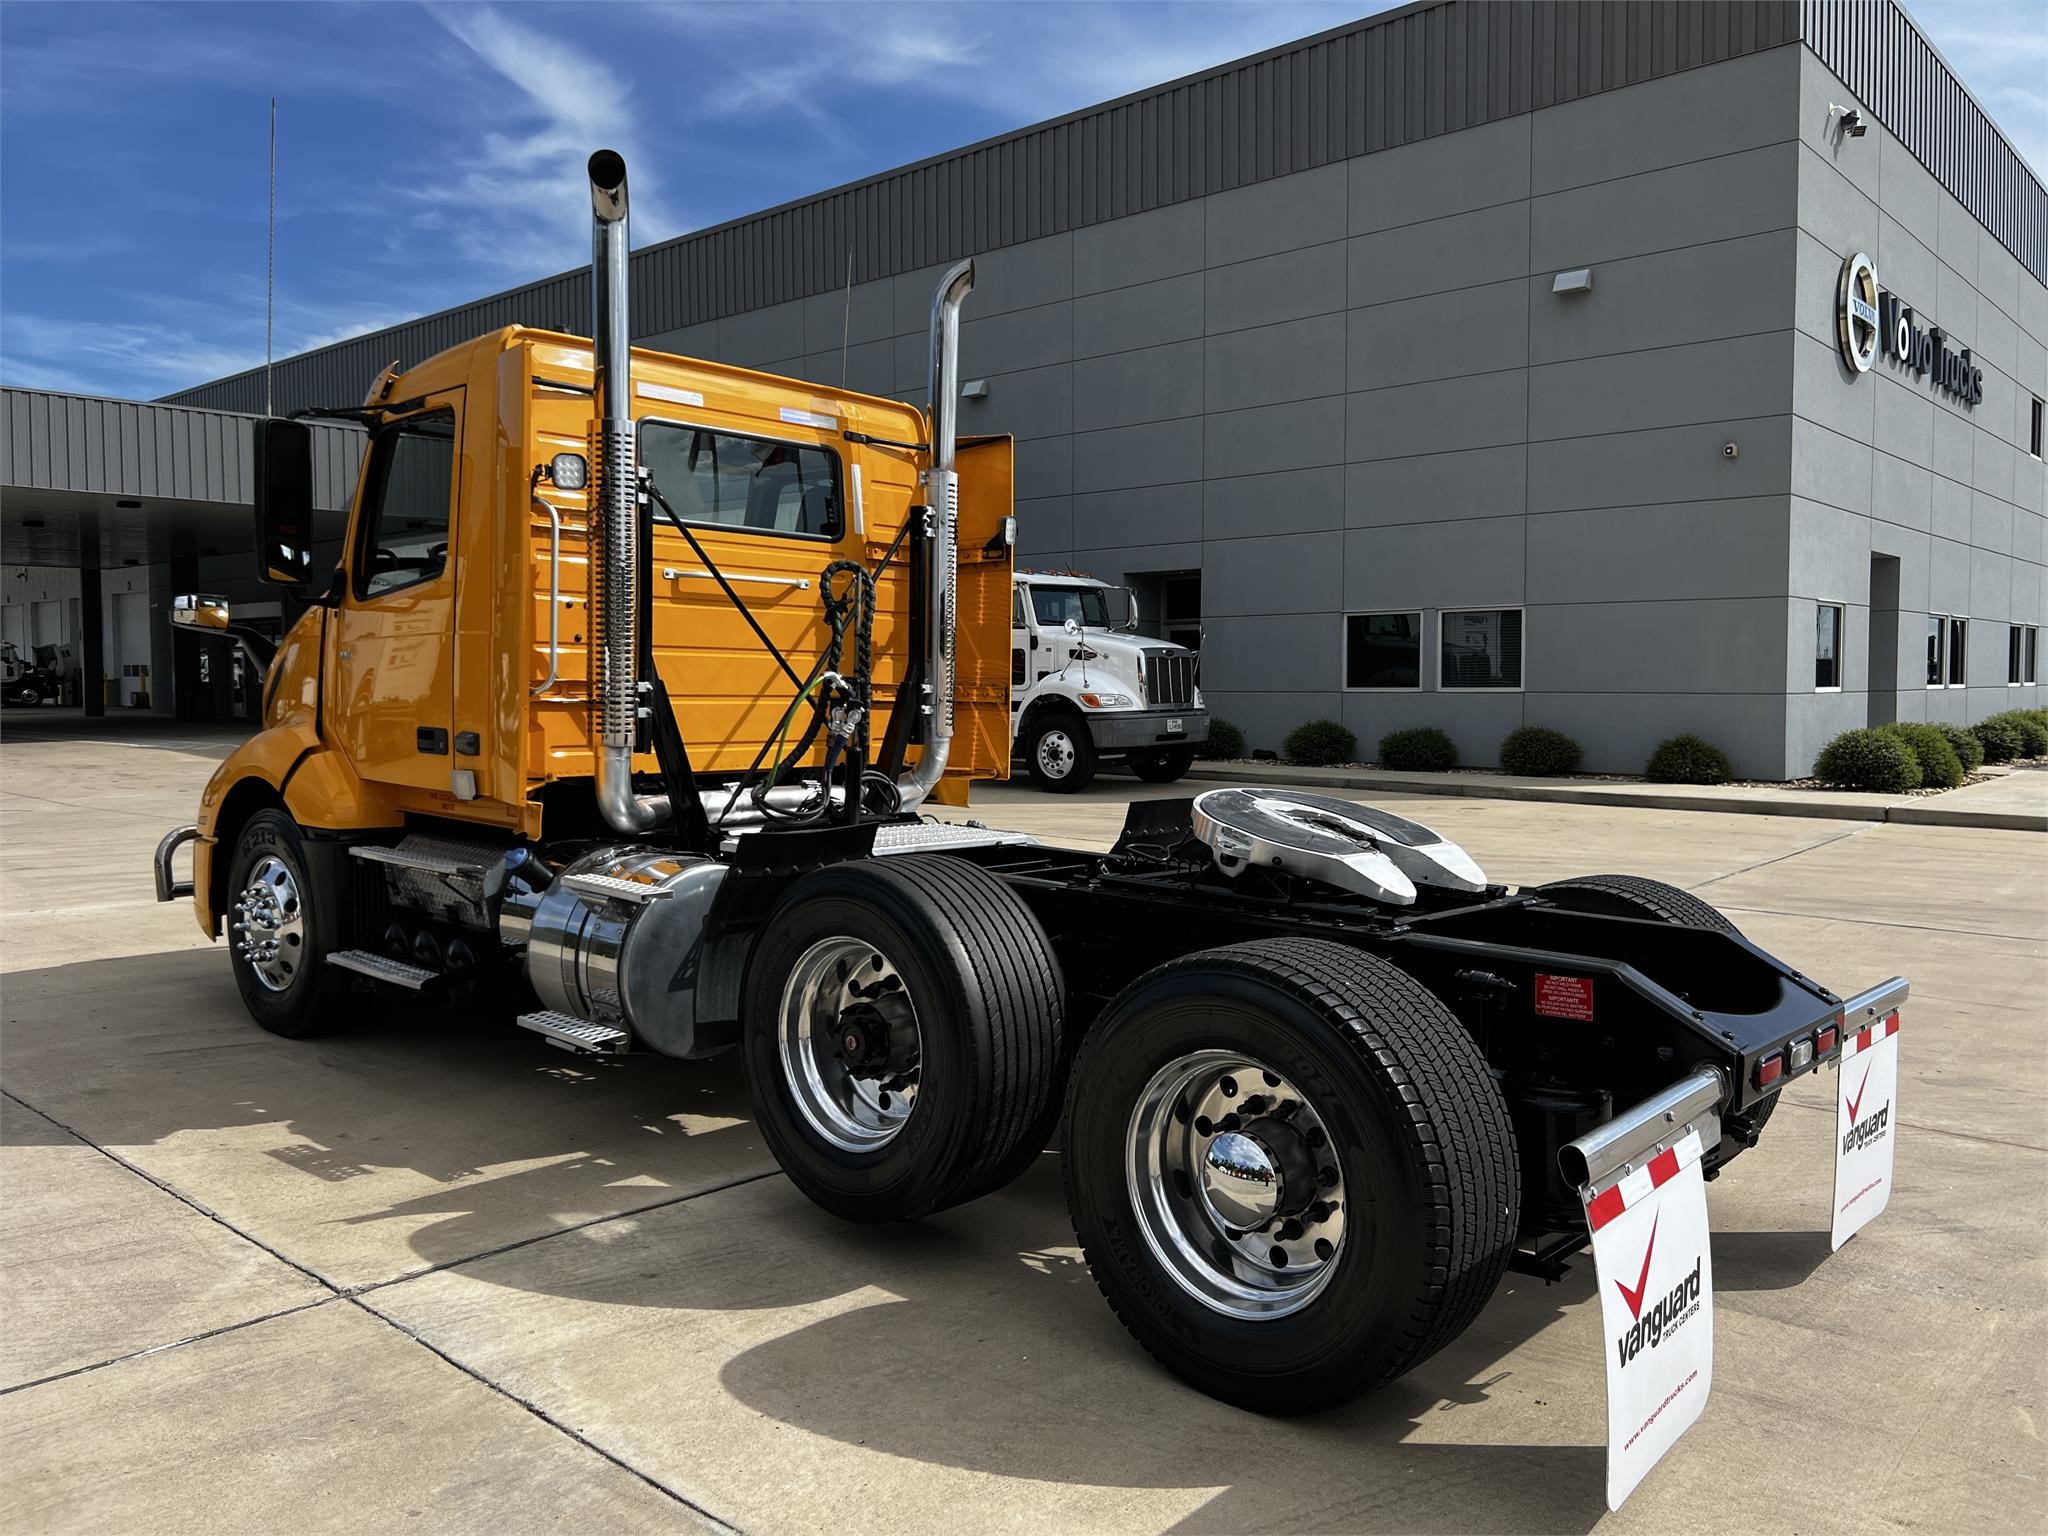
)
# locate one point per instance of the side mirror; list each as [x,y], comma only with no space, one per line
[283,483]
[1072,626]
[200,612]
[1131,610]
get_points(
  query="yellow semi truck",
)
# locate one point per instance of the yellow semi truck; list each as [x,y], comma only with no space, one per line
[619,714]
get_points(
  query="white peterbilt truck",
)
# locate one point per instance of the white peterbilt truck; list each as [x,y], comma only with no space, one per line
[1083,687]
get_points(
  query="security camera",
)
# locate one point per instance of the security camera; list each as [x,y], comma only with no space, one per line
[1852,121]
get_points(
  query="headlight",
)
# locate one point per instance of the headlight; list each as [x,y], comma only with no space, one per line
[1106,700]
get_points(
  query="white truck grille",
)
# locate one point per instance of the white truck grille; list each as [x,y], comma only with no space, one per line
[1169,679]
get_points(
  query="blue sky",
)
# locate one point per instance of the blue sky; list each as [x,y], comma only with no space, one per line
[430,154]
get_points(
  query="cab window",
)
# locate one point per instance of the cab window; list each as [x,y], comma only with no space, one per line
[753,484]
[405,525]
[1055,605]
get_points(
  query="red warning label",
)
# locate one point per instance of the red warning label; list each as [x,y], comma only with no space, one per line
[1565,997]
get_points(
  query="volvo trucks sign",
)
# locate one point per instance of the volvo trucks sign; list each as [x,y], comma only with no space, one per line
[1869,320]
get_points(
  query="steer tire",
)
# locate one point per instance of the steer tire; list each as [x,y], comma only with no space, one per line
[987,999]
[1059,753]
[1424,1161]
[1162,765]
[314,997]
[1633,896]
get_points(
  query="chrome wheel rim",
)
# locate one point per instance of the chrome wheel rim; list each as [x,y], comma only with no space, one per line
[1056,754]
[850,1047]
[1237,1189]
[270,924]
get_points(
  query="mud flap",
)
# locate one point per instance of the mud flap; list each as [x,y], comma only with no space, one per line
[1656,1277]
[1866,1109]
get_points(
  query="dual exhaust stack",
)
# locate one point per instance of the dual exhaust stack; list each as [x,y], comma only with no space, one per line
[618,563]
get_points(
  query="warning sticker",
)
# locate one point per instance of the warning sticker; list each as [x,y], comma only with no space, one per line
[1565,997]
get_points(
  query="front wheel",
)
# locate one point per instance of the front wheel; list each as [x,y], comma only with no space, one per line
[1289,1170]
[1061,754]
[1162,765]
[278,934]
[901,1029]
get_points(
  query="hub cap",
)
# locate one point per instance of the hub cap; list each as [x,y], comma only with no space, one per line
[1236,1187]
[1056,753]
[270,924]
[851,1052]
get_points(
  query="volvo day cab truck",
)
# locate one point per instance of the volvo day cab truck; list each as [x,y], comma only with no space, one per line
[622,713]
[1084,689]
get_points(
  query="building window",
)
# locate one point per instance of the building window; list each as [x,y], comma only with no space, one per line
[1383,650]
[1480,648]
[1958,644]
[1827,648]
[1937,649]
[2033,653]
[2034,432]
[2022,642]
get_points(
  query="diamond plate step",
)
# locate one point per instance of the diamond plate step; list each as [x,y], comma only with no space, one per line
[611,888]
[928,836]
[400,973]
[431,855]
[574,1034]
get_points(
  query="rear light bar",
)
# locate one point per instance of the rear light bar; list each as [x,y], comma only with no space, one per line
[1770,1070]
[1825,1039]
[1799,1053]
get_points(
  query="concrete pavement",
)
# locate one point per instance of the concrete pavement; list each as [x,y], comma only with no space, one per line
[435,1273]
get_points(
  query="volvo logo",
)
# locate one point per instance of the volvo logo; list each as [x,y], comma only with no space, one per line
[1856,313]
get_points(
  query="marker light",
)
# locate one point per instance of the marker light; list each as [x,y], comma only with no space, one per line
[1769,1070]
[1801,1053]
[1826,1039]
[569,471]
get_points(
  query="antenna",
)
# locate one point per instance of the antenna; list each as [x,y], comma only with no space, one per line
[846,318]
[270,262]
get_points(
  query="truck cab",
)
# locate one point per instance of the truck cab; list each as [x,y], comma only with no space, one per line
[1084,686]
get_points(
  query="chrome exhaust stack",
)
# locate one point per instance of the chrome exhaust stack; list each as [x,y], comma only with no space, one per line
[616,559]
[942,494]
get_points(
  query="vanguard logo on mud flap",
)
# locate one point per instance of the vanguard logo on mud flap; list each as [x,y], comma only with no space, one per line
[1864,1129]
[1664,1317]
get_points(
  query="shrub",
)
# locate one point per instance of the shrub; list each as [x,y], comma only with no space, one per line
[1688,760]
[2033,731]
[1225,743]
[1873,760]
[1536,750]
[1320,743]
[1424,749]
[1940,767]
[2000,737]
[1968,749]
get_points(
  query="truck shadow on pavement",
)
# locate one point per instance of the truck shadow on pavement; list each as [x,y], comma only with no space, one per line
[975,1340]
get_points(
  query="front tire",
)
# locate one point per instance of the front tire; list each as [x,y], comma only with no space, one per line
[1288,1258]
[280,934]
[902,1034]
[1162,765]
[1061,755]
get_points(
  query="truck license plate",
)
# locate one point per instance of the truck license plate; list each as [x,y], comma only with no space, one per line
[1174,727]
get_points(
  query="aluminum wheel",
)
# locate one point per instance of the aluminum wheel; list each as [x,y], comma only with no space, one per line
[270,924]
[1235,1186]
[850,1047]
[1056,753]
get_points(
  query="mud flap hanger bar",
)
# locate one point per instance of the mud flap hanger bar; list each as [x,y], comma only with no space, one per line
[1634,1136]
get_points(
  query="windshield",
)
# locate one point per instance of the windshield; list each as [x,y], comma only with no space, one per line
[1055,605]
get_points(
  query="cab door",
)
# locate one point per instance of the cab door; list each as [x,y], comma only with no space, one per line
[392,703]
[1020,648]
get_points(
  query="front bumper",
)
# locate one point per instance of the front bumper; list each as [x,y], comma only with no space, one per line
[168,886]
[1124,729]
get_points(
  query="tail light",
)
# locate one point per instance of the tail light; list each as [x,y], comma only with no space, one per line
[1770,1069]
[1825,1039]
[1799,1053]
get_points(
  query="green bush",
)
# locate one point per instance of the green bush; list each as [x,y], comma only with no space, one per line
[1968,749]
[2033,730]
[1320,743]
[1872,760]
[2001,739]
[1940,767]
[1425,749]
[1688,760]
[1225,743]
[1538,751]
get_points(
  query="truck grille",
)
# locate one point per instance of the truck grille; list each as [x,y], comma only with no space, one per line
[1170,678]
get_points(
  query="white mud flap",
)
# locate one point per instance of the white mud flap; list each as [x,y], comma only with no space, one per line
[1866,1110]
[1656,1279]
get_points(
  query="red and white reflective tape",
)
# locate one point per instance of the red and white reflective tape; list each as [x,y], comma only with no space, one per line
[1870,1034]
[1635,1188]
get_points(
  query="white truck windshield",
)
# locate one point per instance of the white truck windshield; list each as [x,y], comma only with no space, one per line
[1055,605]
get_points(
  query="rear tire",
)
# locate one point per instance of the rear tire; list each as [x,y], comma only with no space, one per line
[1162,765]
[889,1091]
[1409,1147]
[1633,896]
[293,992]
[1061,755]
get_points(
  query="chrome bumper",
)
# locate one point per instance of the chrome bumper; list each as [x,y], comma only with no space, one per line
[168,886]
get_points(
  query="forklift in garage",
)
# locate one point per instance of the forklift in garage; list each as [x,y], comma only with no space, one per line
[626,700]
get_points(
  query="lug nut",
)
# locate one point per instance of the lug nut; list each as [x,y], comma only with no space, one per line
[1290,1230]
[1327,1177]
[1316,1136]
[1255,1105]
[1286,1109]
